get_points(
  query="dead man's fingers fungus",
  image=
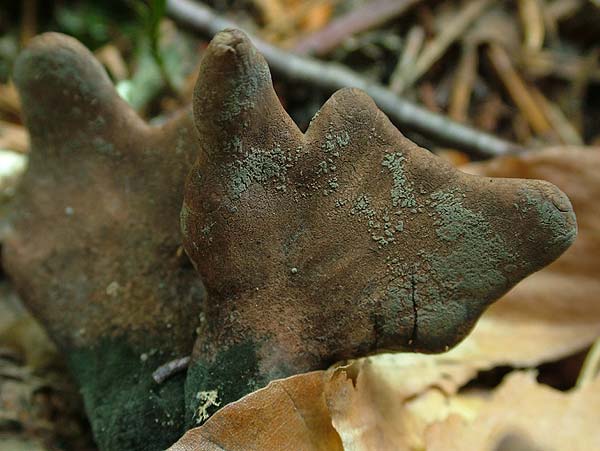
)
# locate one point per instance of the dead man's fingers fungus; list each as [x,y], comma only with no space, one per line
[314,247]
[94,248]
[342,241]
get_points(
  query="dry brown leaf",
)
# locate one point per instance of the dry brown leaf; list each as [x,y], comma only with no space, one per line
[13,137]
[365,412]
[351,408]
[288,414]
[9,100]
[272,10]
[308,411]
[525,415]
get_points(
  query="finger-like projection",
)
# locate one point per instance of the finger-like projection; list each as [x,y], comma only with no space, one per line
[340,242]
[95,243]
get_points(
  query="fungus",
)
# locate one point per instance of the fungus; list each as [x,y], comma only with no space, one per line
[94,249]
[333,244]
[393,249]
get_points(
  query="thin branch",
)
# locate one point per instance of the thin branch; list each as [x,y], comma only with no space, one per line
[331,77]
[518,90]
[434,50]
[164,372]
[368,16]
[464,81]
[414,42]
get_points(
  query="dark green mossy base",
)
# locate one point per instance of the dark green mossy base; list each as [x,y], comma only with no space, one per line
[210,385]
[128,410]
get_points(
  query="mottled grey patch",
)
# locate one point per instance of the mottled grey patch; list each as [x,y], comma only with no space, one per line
[402,189]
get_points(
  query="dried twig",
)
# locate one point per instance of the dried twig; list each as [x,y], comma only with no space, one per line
[561,64]
[532,21]
[364,18]
[518,90]
[436,48]
[576,93]
[412,48]
[330,76]
[29,20]
[163,372]
[463,83]
[113,60]
[567,133]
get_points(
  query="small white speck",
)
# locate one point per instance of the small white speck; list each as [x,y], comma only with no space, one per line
[113,288]
[69,211]
[294,270]
[144,357]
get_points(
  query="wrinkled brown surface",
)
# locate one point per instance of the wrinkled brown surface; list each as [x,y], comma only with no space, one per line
[289,414]
[349,238]
[95,245]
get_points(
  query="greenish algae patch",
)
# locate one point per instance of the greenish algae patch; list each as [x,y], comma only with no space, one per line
[381,225]
[258,166]
[335,141]
[402,190]
[446,284]
[399,297]
[551,218]
[233,374]
[242,92]
[478,253]
[128,409]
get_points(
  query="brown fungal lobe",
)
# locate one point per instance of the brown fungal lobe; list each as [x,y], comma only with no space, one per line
[95,243]
[348,239]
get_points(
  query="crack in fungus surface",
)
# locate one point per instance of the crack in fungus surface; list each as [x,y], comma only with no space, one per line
[413,298]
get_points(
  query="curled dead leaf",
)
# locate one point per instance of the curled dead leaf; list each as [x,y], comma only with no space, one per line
[288,414]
